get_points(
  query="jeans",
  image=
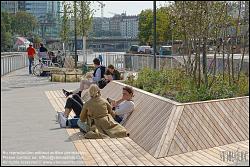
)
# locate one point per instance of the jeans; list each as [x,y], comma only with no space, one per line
[31,60]
[83,126]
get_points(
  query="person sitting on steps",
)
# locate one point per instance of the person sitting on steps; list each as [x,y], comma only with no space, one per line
[74,103]
[97,76]
[124,107]
[95,119]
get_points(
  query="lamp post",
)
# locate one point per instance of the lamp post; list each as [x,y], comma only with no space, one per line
[76,56]
[154,34]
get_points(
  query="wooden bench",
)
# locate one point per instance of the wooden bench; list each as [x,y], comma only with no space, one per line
[164,127]
[126,151]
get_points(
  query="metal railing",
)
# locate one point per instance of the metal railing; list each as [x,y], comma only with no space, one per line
[11,61]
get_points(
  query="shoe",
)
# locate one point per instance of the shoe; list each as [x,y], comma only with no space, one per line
[62,121]
[66,93]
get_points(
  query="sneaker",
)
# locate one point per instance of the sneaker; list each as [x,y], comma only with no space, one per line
[62,121]
[66,93]
[58,116]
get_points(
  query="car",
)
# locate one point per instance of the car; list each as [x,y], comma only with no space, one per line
[133,49]
[144,49]
[166,50]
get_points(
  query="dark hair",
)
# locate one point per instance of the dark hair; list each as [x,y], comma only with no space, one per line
[111,66]
[96,61]
[41,44]
[128,89]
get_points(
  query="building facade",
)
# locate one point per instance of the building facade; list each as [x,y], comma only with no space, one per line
[9,6]
[46,12]
[129,26]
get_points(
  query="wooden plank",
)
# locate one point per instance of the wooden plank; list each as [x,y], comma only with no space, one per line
[211,137]
[181,142]
[239,109]
[164,162]
[204,158]
[154,129]
[206,117]
[244,105]
[182,161]
[220,120]
[132,150]
[80,147]
[224,136]
[188,159]
[190,116]
[174,149]
[227,123]
[186,137]
[238,117]
[143,152]
[216,154]
[240,134]
[216,160]
[193,136]
[118,152]
[173,161]
[110,152]
[100,161]
[128,154]
[169,131]
[102,152]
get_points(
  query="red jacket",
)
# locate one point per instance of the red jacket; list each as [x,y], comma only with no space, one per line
[31,52]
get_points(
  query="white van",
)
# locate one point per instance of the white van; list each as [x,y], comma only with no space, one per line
[144,49]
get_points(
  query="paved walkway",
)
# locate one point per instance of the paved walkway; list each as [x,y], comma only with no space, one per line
[30,135]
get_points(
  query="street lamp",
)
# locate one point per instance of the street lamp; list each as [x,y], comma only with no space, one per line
[76,56]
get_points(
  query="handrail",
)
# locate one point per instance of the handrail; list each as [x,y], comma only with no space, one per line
[11,61]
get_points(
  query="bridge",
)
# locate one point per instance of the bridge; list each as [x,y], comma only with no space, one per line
[99,44]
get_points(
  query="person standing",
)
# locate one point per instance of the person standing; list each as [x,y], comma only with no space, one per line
[100,58]
[43,52]
[31,53]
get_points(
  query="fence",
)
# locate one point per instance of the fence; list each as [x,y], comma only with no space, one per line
[11,61]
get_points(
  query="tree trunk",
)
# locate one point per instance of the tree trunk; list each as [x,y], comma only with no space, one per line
[242,59]
[204,61]
[84,49]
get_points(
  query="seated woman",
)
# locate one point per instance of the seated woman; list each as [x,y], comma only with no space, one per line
[112,73]
[123,107]
[95,119]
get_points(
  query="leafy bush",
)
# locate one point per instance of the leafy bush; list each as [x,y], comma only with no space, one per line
[176,85]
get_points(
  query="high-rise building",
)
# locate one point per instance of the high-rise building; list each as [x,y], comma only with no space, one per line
[9,6]
[115,25]
[47,13]
[129,26]
[21,5]
[105,24]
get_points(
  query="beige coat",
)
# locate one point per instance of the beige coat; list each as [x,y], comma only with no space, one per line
[96,112]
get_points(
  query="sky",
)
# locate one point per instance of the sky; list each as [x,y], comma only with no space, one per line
[118,7]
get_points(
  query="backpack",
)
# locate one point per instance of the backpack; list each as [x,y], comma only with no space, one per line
[103,70]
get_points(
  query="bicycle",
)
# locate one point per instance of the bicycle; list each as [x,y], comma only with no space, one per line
[38,69]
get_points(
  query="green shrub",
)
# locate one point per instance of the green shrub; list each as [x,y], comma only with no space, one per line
[176,85]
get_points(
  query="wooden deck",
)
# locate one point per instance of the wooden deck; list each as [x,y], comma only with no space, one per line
[175,133]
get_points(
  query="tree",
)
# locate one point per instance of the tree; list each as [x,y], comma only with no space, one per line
[65,30]
[6,31]
[84,17]
[145,26]
[163,26]
[24,23]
